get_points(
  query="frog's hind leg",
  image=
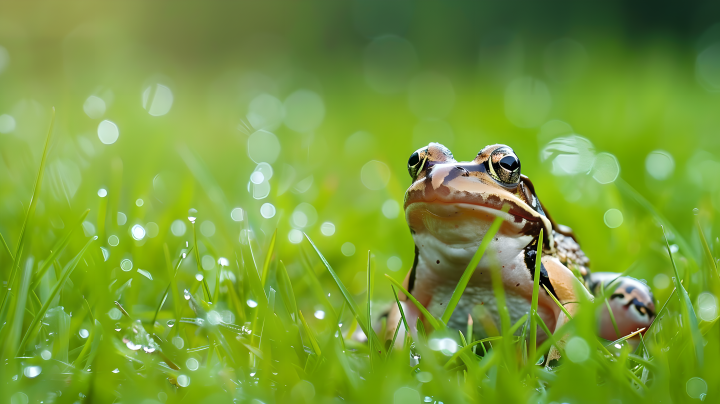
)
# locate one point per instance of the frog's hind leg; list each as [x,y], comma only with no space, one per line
[631,301]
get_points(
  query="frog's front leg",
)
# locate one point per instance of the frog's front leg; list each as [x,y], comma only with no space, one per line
[569,291]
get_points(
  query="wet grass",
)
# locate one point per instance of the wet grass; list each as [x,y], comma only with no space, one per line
[76,327]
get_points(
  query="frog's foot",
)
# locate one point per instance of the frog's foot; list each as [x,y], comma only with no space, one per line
[632,304]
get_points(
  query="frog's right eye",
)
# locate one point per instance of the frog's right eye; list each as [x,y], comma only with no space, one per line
[416,162]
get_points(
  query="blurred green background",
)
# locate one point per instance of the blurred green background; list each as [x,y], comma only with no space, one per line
[166,106]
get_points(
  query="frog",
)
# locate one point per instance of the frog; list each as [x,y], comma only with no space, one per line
[449,208]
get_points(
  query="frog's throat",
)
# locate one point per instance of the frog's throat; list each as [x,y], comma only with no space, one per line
[462,224]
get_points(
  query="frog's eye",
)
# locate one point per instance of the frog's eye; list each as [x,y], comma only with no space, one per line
[416,162]
[504,166]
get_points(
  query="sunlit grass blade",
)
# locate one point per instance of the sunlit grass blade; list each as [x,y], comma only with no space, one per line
[619,340]
[402,312]
[7,248]
[438,325]
[370,279]
[10,342]
[206,288]
[172,286]
[56,250]
[286,291]
[532,346]
[268,257]
[706,249]
[28,216]
[689,312]
[364,325]
[311,336]
[470,269]
[69,268]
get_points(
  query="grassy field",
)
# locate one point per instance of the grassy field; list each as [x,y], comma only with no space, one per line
[201,206]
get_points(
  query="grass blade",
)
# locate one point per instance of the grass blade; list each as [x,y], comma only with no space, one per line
[369,303]
[365,326]
[467,349]
[29,215]
[438,325]
[286,290]
[463,282]
[706,248]
[206,288]
[12,257]
[57,249]
[687,308]
[268,257]
[69,268]
[11,340]
[535,295]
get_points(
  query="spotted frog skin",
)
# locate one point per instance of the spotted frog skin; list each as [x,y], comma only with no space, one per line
[449,208]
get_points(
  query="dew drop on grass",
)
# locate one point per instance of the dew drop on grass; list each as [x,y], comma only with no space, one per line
[115,313]
[32,371]
[138,232]
[105,253]
[102,192]
[192,215]
[19,398]
[116,370]
[187,294]
[183,381]
[319,314]
[327,229]
[696,387]
[126,265]
[118,327]
[251,303]
[83,333]
[45,354]
[178,342]
[192,364]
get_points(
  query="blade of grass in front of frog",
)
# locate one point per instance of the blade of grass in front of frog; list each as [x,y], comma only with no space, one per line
[94,345]
[369,304]
[216,293]
[560,305]
[206,288]
[463,341]
[286,291]
[259,293]
[367,328]
[28,216]
[535,295]
[628,190]
[420,327]
[69,268]
[268,257]
[7,248]
[621,339]
[11,339]
[437,324]
[706,248]
[394,338]
[312,281]
[56,250]
[468,348]
[688,310]
[463,282]
[85,348]
[609,309]
[402,312]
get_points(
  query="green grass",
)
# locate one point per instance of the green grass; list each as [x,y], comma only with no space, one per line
[244,307]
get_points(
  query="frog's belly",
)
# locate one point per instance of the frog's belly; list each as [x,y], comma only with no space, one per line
[483,295]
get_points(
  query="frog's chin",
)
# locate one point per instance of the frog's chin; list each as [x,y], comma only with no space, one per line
[464,223]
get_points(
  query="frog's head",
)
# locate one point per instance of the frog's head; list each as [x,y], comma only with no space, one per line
[455,202]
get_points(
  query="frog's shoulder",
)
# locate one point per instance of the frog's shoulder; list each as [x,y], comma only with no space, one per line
[569,252]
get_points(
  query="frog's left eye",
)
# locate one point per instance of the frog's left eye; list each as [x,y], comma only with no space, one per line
[504,166]
[416,162]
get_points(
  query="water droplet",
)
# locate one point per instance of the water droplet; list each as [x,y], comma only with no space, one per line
[251,303]
[83,333]
[237,214]
[145,273]
[102,192]
[118,327]
[32,371]
[138,232]
[192,215]
[116,370]
[108,132]
[695,387]
[157,99]
[696,211]
[187,295]
[105,253]
[192,364]
[327,229]
[170,323]
[178,342]
[199,277]
[45,354]
[183,381]
[319,314]
[267,210]
[126,265]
